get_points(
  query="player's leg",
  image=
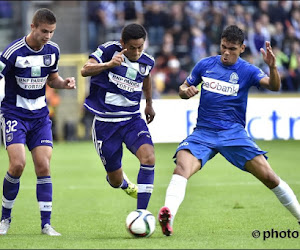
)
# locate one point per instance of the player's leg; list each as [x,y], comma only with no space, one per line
[261,169]
[11,183]
[191,155]
[186,165]
[138,140]
[40,144]
[145,178]
[118,179]
[108,144]
[14,138]
[41,156]
[243,152]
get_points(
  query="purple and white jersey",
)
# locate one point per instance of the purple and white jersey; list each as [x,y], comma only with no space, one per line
[26,72]
[224,91]
[116,92]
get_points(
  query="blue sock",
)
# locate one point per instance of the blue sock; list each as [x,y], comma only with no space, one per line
[145,182]
[11,186]
[44,197]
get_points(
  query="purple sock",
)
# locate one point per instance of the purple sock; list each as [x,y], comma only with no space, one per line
[11,186]
[44,197]
[145,182]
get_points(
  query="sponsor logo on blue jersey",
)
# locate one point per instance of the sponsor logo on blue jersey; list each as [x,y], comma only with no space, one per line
[220,87]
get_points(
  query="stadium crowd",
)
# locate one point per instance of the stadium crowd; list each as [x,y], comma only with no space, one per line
[182,32]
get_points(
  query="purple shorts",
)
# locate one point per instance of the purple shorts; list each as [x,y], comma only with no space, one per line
[34,132]
[108,138]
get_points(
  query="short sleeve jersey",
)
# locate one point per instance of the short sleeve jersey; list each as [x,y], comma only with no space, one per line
[26,72]
[224,91]
[117,92]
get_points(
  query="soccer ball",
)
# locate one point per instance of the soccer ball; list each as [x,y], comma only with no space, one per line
[140,223]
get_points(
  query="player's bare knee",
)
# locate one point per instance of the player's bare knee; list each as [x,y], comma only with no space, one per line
[271,180]
[16,168]
[42,172]
[268,177]
[182,171]
[148,159]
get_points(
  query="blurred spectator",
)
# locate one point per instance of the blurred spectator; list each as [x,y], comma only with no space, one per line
[155,22]
[194,11]
[199,46]
[175,76]
[94,27]
[256,40]
[288,40]
[297,76]
[278,35]
[214,27]
[262,8]
[293,65]
[295,22]
[278,11]
[282,62]
[178,23]
[129,12]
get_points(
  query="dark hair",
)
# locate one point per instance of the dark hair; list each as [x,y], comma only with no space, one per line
[233,34]
[43,16]
[133,31]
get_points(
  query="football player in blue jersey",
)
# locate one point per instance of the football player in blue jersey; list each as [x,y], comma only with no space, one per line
[226,80]
[28,64]
[120,73]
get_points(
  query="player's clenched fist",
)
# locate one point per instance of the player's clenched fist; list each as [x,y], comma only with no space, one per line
[186,91]
[191,91]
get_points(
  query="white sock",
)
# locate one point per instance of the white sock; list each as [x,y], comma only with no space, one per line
[288,199]
[175,194]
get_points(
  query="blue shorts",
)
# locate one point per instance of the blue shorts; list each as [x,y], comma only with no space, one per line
[234,144]
[34,132]
[109,136]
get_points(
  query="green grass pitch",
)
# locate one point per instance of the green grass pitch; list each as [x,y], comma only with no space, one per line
[222,206]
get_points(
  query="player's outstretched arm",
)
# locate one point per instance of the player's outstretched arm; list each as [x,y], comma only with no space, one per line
[92,67]
[147,89]
[57,82]
[186,91]
[273,82]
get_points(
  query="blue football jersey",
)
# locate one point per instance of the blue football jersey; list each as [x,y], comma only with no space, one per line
[224,91]
[117,92]
[26,72]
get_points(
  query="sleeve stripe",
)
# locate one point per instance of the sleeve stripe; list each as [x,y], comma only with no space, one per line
[13,48]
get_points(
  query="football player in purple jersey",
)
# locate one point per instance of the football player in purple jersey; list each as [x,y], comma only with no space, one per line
[226,80]
[120,73]
[28,64]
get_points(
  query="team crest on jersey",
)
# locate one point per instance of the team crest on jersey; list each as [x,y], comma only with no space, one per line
[142,68]
[234,78]
[9,137]
[47,60]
